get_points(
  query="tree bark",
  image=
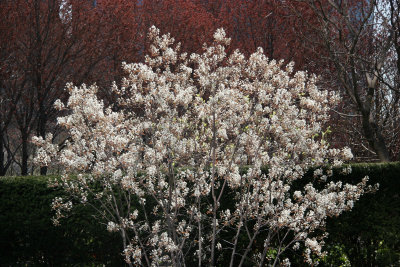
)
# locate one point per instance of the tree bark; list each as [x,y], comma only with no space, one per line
[2,166]
[375,138]
[41,131]
[349,44]
[25,155]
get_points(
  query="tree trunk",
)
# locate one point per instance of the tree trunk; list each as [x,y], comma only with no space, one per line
[41,131]
[125,242]
[25,155]
[2,166]
[375,138]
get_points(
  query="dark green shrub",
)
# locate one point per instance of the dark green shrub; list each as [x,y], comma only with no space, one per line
[369,235]
[28,237]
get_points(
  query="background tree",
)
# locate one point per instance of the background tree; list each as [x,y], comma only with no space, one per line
[356,40]
[46,44]
[191,23]
[9,95]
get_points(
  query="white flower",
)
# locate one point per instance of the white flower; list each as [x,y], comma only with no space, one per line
[112,227]
[151,170]
[220,36]
[347,155]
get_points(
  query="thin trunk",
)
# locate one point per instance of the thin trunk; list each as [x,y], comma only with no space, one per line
[41,131]
[2,166]
[24,163]
[199,225]
[215,204]
[265,251]
[124,240]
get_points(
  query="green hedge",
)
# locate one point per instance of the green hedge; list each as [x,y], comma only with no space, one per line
[369,235]
[28,237]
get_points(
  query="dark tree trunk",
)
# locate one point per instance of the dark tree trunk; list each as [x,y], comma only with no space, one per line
[5,163]
[2,166]
[372,132]
[375,138]
[41,131]
[43,170]
[25,155]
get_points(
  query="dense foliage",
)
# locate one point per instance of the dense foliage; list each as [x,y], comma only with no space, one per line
[28,236]
[370,234]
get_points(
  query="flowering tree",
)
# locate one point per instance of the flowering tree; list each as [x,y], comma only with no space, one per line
[165,169]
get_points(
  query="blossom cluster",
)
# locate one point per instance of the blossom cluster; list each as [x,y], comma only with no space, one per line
[185,127]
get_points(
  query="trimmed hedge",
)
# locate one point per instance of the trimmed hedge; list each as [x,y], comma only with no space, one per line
[369,235]
[28,237]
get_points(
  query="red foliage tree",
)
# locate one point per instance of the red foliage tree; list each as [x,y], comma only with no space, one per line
[49,43]
[188,21]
